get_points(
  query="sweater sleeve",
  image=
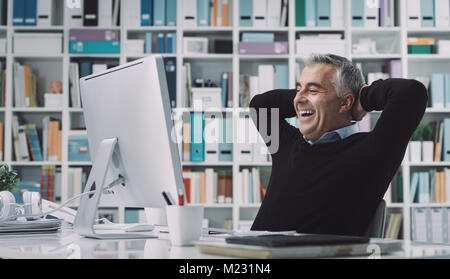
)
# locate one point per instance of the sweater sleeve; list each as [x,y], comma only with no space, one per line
[403,102]
[265,106]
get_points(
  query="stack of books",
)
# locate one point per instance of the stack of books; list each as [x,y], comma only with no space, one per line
[105,41]
[421,45]
[208,186]
[152,12]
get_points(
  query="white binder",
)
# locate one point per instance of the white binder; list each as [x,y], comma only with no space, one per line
[133,13]
[190,13]
[442,13]
[437,232]
[413,13]
[371,14]
[274,13]
[212,136]
[259,13]
[337,13]
[266,74]
[76,16]
[105,10]
[244,146]
[44,13]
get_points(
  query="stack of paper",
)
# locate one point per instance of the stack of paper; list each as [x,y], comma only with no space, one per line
[36,226]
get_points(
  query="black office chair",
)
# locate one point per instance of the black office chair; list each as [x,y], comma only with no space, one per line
[376,225]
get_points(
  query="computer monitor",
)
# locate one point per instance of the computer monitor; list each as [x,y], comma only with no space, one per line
[128,120]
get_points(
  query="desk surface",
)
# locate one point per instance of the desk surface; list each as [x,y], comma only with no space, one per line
[67,244]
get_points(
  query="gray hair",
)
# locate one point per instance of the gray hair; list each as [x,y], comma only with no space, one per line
[348,77]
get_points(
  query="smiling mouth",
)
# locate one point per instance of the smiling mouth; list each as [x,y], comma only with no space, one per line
[306,113]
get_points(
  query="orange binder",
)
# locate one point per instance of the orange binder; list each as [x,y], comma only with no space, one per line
[225,12]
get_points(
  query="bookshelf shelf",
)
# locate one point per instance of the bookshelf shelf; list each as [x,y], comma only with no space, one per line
[428,57]
[208,29]
[35,163]
[262,56]
[318,29]
[363,30]
[376,56]
[429,164]
[74,163]
[211,56]
[38,28]
[152,28]
[203,164]
[37,110]
[269,29]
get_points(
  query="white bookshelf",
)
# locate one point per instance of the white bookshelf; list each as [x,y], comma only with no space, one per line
[232,62]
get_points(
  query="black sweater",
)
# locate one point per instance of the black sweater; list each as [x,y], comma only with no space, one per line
[334,188]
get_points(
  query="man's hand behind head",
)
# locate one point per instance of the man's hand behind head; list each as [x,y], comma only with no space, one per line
[358,112]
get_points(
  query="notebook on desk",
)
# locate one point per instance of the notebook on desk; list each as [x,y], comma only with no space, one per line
[298,246]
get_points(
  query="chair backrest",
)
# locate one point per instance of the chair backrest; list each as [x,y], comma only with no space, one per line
[376,225]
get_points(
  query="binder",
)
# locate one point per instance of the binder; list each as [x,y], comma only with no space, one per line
[197,144]
[323,13]
[90,10]
[190,13]
[446,147]
[413,187]
[437,225]
[358,13]
[246,13]
[424,187]
[371,14]
[427,7]
[105,13]
[44,13]
[337,13]
[300,13]
[132,13]
[225,10]
[107,47]
[203,13]
[224,89]
[259,13]
[30,12]
[148,43]
[281,76]
[159,12]
[18,12]
[170,64]
[76,16]
[258,37]
[266,74]
[447,91]
[437,90]
[414,20]
[146,12]
[212,136]
[171,12]
[3,13]
[387,13]
[226,139]
[310,13]
[442,13]
[161,44]
[274,13]
[171,42]
[244,145]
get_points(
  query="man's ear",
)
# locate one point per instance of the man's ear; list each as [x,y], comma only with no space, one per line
[347,102]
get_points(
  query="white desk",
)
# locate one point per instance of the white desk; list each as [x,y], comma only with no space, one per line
[67,244]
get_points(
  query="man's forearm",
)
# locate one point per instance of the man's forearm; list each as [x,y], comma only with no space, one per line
[281,99]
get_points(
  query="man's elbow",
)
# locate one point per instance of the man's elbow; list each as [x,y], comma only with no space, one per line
[255,102]
[418,92]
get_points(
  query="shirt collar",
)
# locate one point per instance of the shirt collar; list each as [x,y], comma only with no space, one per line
[335,135]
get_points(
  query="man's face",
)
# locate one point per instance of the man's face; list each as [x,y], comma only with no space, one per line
[318,107]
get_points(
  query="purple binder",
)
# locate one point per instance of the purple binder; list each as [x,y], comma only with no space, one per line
[263,47]
[94,35]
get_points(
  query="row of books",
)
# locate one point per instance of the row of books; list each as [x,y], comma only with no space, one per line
[313,13]
[166,43]
[25,87]
[439,87]
[206,13]
[102,13]
[91,41]
[431,186]
[269,77]
[27,143]
[152,12]
[393,225]
[49,185]
[77,178]
[378,13]
[208,186]
[430,225]
[428,13]
[34,12]
[394,194]
[252,185]
[263,13]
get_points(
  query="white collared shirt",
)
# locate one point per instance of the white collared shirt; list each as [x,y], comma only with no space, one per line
[335,135]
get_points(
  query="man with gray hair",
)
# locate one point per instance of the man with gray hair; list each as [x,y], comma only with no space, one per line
[327,177]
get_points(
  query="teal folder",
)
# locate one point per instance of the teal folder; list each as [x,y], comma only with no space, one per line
[171,12]
[245,12]
[446,149]
[358,13]
[323,13]
[437,91]
[197,142]
[281,76]
[148,42]
[300,13]
[310,13]
[427,13]
[106,47]
[159,12]
[203,13]
[447,89]
[226,139]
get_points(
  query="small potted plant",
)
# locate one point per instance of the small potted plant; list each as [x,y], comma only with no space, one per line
[427,143]
[415,145]
[8,178]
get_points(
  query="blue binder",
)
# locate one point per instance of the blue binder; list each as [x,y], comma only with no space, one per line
[245,12]
[446,149]
[281,76]
[30,12]
[148,43]
[171,42]
[358,13]
[203,13]
[146,12]
[159,12]
[170,65]
[161,44]
[226,139]
[447,89]
[323,16]
[427,13]
[85,68]
[18,12]
[413,187]
[171,12]
[197,143]
[310,13]
[437,91]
